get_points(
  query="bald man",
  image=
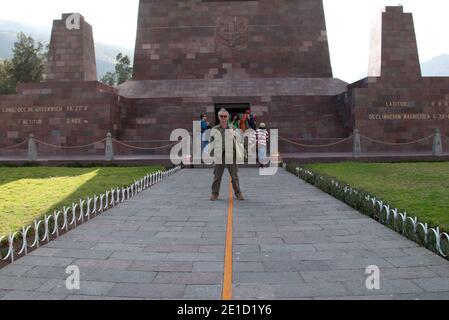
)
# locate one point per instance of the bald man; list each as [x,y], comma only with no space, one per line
[223,115]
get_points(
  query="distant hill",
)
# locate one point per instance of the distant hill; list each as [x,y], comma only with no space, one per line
[105,53]
[437,67]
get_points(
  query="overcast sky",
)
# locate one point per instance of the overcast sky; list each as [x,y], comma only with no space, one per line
[348,25]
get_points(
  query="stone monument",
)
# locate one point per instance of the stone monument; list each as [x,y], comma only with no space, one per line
[195,57]
[198,56]
[70,108]
[72,52]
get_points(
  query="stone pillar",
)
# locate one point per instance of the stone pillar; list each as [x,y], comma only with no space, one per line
[109,151]
[72,52]
[357,145]
[437,144]
[32,149]
[394,50]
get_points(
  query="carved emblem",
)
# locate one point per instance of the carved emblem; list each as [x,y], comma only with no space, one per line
[232,32]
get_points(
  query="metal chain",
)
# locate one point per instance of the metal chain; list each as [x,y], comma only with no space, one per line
[172,144]
[142,148]
[316,146]
[74,147]
[398,143]
[14,146]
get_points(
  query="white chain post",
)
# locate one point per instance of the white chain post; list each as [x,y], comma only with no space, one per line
[109,149]
[32,149]
[437,149]
[357,147]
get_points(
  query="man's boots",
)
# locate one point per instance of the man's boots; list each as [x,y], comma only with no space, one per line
[240,196]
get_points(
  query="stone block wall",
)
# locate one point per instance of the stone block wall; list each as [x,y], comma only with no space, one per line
[394,114]
[308,120]
[64,114]
[217,39]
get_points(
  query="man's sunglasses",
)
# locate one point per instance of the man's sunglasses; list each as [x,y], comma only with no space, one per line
[223,116]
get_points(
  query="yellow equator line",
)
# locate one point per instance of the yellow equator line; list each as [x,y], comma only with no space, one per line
[228,273]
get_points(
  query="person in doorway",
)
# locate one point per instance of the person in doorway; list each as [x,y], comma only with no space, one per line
[251,120]
[243,123]
[262,138]
[248,121]
[204,127]
[220,130]
[234,122]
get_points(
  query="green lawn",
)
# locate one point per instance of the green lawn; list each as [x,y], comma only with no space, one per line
[29,193]
[421,189]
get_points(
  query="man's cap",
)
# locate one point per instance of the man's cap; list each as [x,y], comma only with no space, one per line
[262,125]
[223,110]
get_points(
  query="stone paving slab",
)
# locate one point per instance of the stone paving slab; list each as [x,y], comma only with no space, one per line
[143,249]
[327,244]
[291,241]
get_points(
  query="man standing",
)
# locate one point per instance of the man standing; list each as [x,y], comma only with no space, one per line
[220,130]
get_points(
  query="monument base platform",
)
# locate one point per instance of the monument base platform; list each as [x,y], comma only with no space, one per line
[301,158]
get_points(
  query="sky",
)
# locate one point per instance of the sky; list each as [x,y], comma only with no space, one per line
[348,25]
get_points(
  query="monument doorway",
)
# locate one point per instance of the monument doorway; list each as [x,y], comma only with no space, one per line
[233,108]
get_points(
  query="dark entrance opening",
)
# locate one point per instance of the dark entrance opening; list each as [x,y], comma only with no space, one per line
[233,108]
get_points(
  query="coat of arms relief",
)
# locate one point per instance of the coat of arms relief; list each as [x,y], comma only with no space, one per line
[232,33]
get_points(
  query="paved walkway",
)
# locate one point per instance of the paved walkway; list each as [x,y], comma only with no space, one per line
[291,241]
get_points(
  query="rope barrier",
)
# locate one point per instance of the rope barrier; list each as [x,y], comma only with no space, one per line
[316,146]
[14,146]
[397,143]
[142,148]
[70,148]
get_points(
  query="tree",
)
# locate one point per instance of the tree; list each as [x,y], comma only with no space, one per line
[6,84]
[109,79]
[28,62]
[123,71]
